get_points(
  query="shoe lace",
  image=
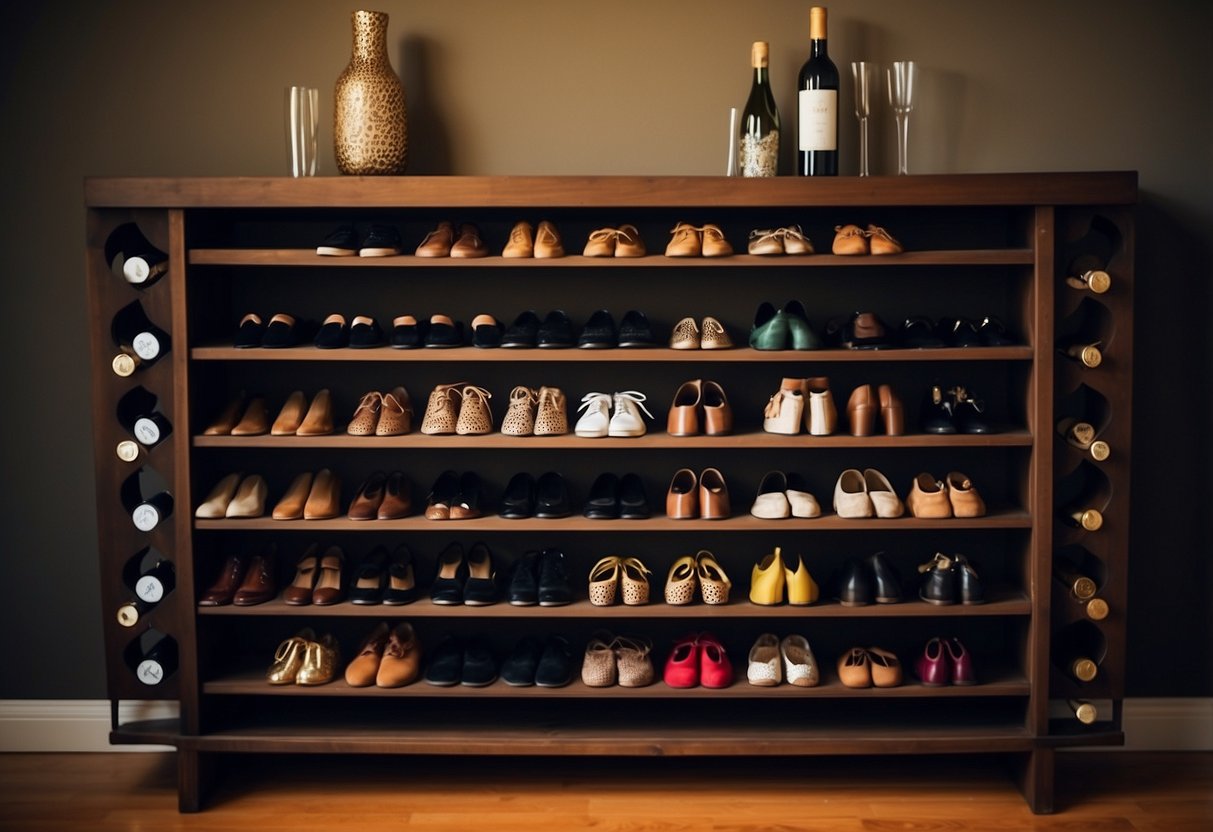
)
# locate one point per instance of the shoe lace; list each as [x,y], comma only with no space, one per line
[604,234]
[628,400]
[774,405]
[593,403]
[371,401]
[522,395]
[549,397]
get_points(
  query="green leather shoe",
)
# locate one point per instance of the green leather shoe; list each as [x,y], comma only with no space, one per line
[802,335]
[770,330]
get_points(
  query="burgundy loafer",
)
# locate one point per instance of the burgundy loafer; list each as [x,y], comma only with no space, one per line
[932,665]
[961,661]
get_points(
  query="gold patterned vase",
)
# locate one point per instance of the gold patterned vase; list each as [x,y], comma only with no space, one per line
[370,132]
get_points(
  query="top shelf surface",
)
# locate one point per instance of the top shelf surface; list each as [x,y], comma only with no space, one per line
[1082,188]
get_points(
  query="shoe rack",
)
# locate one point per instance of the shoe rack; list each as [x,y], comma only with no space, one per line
[975,245]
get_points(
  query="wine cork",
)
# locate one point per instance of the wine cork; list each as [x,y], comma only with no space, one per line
[817,23]
[759,54]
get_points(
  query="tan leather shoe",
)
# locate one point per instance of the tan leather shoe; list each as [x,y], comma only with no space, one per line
[820,414]
[683,419]
[290,417]
[227,419]
[715,336]
[552,413]
[330,584]
[520,414]
[717,412]
[628,242]
[885,501]
[685,335]
[442,412]
[396,414]
[886,667]
[522,241]
[397,498]
[438,242]
[255,421]
[401,658]
[855,668]
[366,416]
[928,498]
[892,412]
[881,241]
[795,242]
[547,242]
[682,500]
[601,243]
[861,410]
[319,418]
[469,243]
[368,497]
[686,241]
[260,583]
[714,242]
[361,671]
[216,502]
[475,417]
[249,499]
[713,495]
[324,500]
[849,240]
[765,241]
[290,507]
[965,499]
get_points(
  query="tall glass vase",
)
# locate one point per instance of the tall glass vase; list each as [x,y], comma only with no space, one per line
[370,128]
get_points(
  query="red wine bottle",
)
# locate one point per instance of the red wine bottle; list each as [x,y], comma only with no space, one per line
[818,105]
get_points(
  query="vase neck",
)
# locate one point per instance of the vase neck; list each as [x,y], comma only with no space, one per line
[370,35]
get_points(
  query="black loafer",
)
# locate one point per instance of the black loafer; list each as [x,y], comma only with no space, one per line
[599,332]
[250,333]
[368,581]
[938,581]
[444,332]
[554,587]
[524,332]
[486,332]
[634,330]
[524,583]
[603,501]
[447,588]
[886,583]
[401,578]
[969,414]
[365,333]
[282,331]
[445,667]
[958,332]
[918,333]
[855,585]
[994,333]
[520,666]
[334,333]
[342,241]
[518,503]
[633,502]
[480,589]
[407,333]
[556,331]
[552,497]
[555,668]
[479,665]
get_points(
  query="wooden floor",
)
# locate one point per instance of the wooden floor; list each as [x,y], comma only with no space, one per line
[136,792]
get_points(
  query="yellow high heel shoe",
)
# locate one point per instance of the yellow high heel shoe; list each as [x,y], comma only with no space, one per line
[767,579]
[802,589]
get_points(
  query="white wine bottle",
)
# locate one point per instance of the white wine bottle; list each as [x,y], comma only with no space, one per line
[759,146]
[1081,435]
[817,101]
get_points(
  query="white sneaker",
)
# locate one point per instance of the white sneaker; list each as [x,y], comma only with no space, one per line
[627,421]
[595,422]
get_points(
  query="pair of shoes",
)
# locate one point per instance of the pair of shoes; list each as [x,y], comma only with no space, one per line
[851,239]
[789,239]
[710,335]
[540,578]
[787,408]
[695,241]
[382,414]
[318,578]
[955,496]
[235,496]
[623,241]
[455,497]
[698,660]
[525,241]
[545,498]
[771,576]
[870,580]
[361,333]
[473,414]
[705,497]
[698,402]
[456,661]
[864,404]
[702,571]
[967,332]
[382,497]
[304,660]
[598,421]
[383,580]
[613,497]
[869,667]
[783,329]
[618,660]
[282,331]
[949,580]
[390,657]
[944,661]
[783,495]
[546,664]
[772,660]
[600,333]
[243,581]
[344,241]
[866,494]
[440,331]
[542,412]
[243,416]
[442,242]
[953,410]
[555,331]
[310,497]
[470,580]
[608,573]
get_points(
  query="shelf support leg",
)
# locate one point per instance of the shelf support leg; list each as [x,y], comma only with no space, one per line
[195,776]
[1035,776]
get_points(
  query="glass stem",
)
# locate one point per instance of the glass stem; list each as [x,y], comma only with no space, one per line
[903,143]
[863,147]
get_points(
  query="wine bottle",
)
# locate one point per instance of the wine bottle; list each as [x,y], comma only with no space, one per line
[818,104]
[132,257]
[1094,280]
[1087,354]
[156,582]
[139,340]
[138,413]
[1084,711]
[759,146]
[158,663]
[150,512]
[1078,649]
[128,614]
[1090,519]
[127,450]
[1081,435]
[1081,590]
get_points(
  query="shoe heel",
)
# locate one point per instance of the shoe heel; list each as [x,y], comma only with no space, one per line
[817,415]
[863,420]
[891,412]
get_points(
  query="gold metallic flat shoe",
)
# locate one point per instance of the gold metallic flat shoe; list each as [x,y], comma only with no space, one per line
[288,658]
[319,661]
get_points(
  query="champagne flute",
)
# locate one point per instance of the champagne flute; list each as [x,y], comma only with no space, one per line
[865,75]
[901,79]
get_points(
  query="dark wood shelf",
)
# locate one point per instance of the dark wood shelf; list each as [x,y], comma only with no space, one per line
[1003,519]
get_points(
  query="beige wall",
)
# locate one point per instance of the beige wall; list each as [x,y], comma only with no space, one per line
[146,87]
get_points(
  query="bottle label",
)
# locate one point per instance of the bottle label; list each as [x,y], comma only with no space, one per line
[146,517]
[147,346]
[149,672]
[149,588]
[818,120]
[147,431]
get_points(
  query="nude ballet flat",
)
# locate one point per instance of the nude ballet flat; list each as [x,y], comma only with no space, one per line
[319,418]
[684,242]
[928,498]
[965,499]
[764,669]
[799,663]
[249,499]
[680,583]
[290,417]
[547,242]
[851,496]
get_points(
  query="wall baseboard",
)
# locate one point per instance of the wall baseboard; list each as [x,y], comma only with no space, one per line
[48,725]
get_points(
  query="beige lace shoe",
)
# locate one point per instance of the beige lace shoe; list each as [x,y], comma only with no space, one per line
[794,240]
[685,335]
[552,418]
[598,668]
[396,414]
[521,241]
[474,415]
[686,241]
[714,335]
[633,662]
[765,241]
[849,239]
[881,241]
[714,242]
[366,416]
[441,412]
[520,415]
[547,242]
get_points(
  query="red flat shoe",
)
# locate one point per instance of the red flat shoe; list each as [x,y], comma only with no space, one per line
[682,665]
[932,665]
[960,662]
[715,669]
